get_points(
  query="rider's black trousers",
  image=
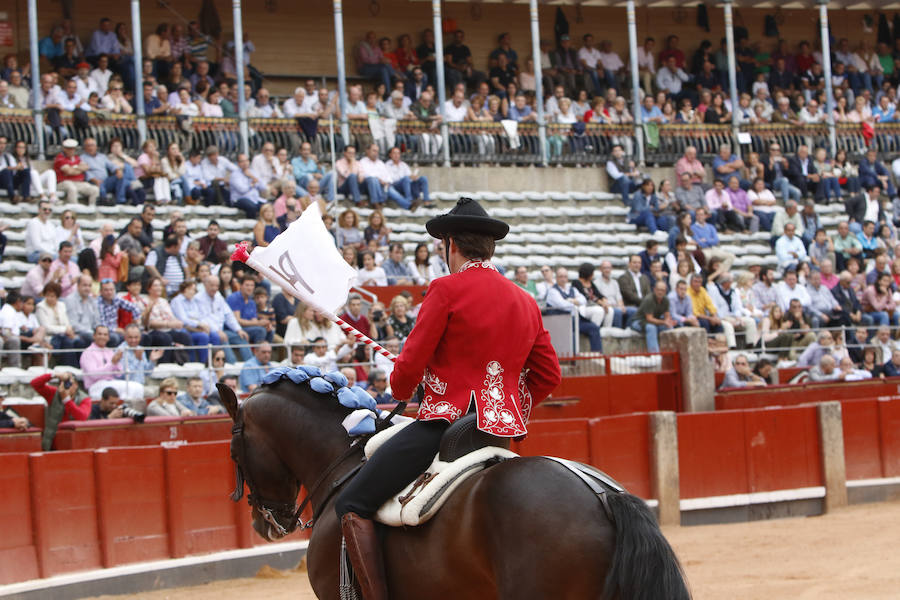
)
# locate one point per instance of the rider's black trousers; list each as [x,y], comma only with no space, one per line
[393,466]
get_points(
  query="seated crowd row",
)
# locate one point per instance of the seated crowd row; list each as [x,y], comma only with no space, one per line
[271,177]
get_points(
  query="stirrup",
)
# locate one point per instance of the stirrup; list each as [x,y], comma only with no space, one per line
[347,583]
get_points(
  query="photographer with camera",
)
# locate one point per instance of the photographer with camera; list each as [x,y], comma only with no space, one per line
[109,407]
[378,318]
[65,402]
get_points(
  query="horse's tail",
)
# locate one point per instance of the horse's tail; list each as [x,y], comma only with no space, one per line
[643,566]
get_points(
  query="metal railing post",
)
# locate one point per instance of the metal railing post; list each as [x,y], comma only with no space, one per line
[341,69]
[37,109]
[239,68]
[732,74]
[439,73]
[635,83]
[826,68]
[137,40]
[538,79]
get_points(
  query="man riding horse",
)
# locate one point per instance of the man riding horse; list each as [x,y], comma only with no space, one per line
[480,342]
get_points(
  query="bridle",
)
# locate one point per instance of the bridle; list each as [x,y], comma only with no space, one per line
[286,517]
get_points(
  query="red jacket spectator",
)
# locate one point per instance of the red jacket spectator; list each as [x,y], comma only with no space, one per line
[60,160]
[74,412]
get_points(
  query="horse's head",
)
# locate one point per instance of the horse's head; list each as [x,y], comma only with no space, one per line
[283,434]
[273,487]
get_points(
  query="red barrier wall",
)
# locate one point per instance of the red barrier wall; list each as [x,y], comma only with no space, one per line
[620,447]
[567,438]
[201,515]
[131,486]
[736,452]
[806,393]
[12,440]
[78,435]
[75,510]
[387,292]
[18,556]
[712,454]
[782,449]
[35,413]
[64,505]
[602,395]
[889,419]
[862,442]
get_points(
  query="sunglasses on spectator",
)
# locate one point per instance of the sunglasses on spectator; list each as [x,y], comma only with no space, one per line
[170,392]
[46,210]
[46,260]
[68,217]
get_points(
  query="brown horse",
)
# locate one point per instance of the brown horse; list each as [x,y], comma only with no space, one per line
[524,529]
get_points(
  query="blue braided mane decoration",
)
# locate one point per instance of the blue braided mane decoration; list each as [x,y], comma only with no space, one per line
[332,383]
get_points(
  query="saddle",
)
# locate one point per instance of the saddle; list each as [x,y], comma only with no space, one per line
[464,451]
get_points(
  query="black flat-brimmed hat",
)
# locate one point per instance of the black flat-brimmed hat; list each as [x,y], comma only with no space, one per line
[467,217]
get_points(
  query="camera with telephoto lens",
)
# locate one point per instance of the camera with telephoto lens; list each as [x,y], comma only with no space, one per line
[130,413]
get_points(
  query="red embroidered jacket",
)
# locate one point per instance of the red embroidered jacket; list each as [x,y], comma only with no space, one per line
[478,337]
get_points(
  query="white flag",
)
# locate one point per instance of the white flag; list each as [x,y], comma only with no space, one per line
[305,258]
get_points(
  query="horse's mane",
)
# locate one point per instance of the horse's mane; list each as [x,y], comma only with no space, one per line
[300,396]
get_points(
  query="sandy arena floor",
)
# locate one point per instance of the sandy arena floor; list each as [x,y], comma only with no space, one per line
[849,555]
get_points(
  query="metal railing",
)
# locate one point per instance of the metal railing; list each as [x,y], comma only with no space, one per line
[629,363]
[469,141]
[846,335]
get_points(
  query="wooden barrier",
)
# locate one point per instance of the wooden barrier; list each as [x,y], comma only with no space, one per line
[889,420]
[712,454]
[739,452]
[862,442]
[619,446]
[78,435]
[806,393]
[64,509]
[386,293]
[567,438]
[73,510]
[131,485]
[35,412]
[201,515]
[18,555]
[13,440]
[615,394]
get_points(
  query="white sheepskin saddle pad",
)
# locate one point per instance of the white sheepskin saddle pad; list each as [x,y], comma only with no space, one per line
[421,499]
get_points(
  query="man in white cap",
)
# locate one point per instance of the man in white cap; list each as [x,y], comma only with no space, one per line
[70,174]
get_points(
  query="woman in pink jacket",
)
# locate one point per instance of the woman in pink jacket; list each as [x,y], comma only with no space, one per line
[878,301]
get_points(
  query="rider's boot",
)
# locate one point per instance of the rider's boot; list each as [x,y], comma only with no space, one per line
[365,555]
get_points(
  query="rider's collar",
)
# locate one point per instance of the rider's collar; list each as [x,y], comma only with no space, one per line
[474,263]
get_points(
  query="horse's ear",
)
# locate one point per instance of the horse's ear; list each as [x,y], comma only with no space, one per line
[229,400]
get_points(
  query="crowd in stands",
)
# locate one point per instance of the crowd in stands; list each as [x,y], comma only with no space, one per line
[188,74]
[124,303]
[832,301]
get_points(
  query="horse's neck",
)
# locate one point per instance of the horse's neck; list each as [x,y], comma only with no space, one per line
[311,454]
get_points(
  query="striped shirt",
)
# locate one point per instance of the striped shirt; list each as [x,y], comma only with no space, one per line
[109,311]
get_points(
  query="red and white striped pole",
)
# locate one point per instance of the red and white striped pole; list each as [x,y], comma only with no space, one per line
[242,255]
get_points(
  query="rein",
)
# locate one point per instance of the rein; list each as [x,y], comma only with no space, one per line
[270,510]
